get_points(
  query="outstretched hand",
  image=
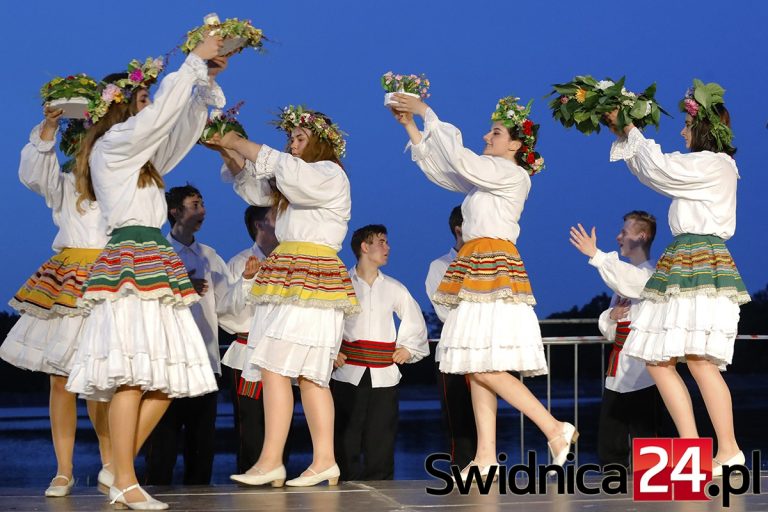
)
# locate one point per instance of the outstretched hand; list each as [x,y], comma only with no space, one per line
[52,117]
[586,244]
[404,103]
[611,118]
[404,118]
[209,47]
[227,141]
[251,267]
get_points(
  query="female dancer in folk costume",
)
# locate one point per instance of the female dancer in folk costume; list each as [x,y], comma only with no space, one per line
[140,346]
[45,337]
[302,290]
[491,327]
[691,306]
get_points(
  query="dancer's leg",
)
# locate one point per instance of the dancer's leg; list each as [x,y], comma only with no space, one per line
[675,396]
[717,398]
[278,413]
[63,411]
[318,408]
[123,420]
[484,406]
[98,412]
[508,387]
[153,406]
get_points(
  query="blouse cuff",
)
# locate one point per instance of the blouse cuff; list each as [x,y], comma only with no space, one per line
[226,174]
[264,166]
[43,146]
[198,67]
[598,259]
[626,147]
[211,94]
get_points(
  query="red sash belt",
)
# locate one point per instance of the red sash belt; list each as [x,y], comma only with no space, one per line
[373,354]
[242,338]
[622,331]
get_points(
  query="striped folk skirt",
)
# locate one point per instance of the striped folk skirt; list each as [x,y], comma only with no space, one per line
[302,293]
[140,331]
[691,304]
[45,337]
[491,325]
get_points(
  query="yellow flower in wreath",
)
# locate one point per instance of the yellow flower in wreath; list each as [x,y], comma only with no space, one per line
[581,95]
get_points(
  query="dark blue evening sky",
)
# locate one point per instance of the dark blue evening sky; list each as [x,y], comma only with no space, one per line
[330,55]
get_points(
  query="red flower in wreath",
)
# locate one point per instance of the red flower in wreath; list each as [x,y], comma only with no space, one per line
[531,158]
[528,127]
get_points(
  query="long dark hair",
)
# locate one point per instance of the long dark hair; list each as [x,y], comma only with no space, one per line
[702,138]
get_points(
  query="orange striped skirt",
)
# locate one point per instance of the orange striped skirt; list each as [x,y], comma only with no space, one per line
[485,270]
[57,284]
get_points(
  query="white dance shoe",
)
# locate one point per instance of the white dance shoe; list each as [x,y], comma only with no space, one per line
[59,491]
[717,466]
[331,474]
[484,470]
[105,480]
[276,477]
[570,435]
[117,500]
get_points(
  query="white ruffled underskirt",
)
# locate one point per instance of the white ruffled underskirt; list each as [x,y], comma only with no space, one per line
[43,344]
[701,325]
[235,356]
[145,343]
[294,341]
[492,336]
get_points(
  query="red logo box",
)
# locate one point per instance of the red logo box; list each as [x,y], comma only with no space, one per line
[671,469]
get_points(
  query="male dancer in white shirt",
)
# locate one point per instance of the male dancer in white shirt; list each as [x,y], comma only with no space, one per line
[364,383]
[631,405]
[186,213]
[455,397]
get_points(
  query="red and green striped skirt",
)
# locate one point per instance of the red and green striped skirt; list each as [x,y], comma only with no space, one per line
[139,260]
[696,265]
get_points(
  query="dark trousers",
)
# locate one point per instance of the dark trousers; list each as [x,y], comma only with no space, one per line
[624,416]
[197,417]
[249,427]
[458,417]
[365,429]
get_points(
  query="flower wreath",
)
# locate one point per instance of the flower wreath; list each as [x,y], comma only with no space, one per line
[699,101]
[413,84]
[584,101]
[229,28]
[298,117]
[511,114]
[222,122]
[139,75]
[80,85]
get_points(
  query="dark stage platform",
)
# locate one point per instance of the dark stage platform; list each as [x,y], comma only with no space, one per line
[370,497]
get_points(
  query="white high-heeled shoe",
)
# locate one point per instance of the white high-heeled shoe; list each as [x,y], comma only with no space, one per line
[59,491]
[331,474]
[105,480]
[117,500]
[276,477]
[570,435]
[717,466]
[484,470]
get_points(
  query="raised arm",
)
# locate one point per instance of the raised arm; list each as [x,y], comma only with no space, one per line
[129,145]
[684,175]
[39,167]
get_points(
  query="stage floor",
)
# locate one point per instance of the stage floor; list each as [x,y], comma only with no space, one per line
[368,497]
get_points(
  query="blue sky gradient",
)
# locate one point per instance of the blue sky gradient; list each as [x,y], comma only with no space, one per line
[330,56]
